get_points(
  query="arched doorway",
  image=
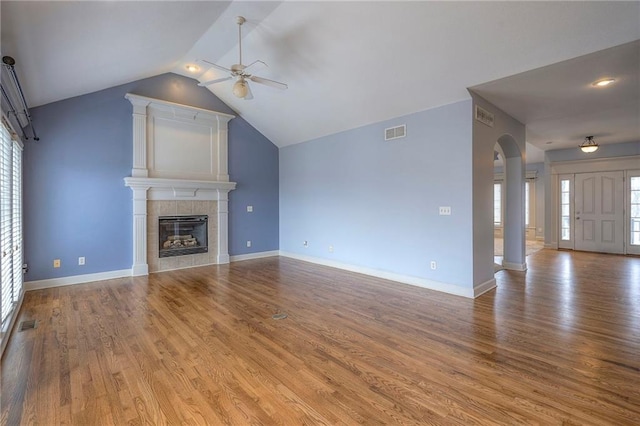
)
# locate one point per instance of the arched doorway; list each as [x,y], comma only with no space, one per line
[513,225]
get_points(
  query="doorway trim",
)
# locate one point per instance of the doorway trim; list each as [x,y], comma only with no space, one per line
[626,164]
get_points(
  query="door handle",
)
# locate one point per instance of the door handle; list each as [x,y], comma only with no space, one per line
[577,218]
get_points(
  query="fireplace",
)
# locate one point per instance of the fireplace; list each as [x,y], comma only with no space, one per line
[168,181]
[182,235]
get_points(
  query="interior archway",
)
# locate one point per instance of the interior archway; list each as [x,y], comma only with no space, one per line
[513,226]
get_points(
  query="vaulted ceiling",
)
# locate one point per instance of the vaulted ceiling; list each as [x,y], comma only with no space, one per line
[348,64]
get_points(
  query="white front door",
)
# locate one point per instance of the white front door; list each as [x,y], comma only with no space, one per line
[599,219]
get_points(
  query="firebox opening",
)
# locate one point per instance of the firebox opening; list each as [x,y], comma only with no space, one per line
[182,235]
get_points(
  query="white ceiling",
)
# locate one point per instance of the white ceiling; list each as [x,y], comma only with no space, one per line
[347,63]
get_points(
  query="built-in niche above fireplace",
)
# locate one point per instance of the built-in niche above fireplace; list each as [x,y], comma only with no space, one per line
[180,166]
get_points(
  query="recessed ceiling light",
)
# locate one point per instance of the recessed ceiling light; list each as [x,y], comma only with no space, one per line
[192,68]
[604,82]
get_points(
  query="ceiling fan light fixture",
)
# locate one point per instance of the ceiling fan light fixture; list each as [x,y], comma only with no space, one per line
[589,145]
[240,88]
[239,72]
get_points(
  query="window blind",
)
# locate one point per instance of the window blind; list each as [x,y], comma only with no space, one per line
[10,223]
[16,222]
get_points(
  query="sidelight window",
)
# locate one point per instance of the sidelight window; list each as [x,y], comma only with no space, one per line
[565,210]
[635,210]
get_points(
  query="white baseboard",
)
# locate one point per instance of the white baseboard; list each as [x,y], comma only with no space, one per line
[249,256]
[515,266]
[100,276]
[404,279]
[481,289]
[76,279]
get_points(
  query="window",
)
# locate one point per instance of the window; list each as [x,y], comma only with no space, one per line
[497,204]
[526,203]
[565,210]
[635,210]
[10,224]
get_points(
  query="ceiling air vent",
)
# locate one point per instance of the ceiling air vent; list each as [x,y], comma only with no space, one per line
[395,132]
[484,116]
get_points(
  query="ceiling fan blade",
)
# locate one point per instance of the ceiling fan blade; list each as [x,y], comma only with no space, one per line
[220,67]
[217,80]
[261,63]
[268,82]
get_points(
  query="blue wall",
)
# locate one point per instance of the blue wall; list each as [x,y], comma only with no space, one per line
[75,201]
[376,202]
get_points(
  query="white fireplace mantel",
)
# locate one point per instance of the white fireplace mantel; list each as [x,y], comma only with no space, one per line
[179,153]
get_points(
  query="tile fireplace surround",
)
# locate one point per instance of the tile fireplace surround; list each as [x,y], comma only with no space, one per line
[179,168]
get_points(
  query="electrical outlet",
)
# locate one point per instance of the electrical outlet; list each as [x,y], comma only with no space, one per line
[248,243]
[249,209]
[445,211]
[330,249]
[81,260]
[56,263]
[305,243]
[434,265]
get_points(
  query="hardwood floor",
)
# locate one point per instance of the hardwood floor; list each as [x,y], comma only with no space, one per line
[557,345]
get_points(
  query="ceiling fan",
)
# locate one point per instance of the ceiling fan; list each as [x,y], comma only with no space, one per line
[239,72]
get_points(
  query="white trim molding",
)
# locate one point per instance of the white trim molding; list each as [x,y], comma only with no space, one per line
[486,286]
[404,279]
[145,189]
[164,170]
[76,279]
[250,256]
[515,266]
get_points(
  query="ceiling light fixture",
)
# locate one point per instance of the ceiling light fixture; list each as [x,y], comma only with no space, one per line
[589,145]
[240,88]
[192,68]
[604,82]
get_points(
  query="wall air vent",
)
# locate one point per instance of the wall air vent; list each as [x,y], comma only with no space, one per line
[395,132]
[484,116]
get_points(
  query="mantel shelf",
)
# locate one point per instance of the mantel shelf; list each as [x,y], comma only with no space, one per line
[164,183]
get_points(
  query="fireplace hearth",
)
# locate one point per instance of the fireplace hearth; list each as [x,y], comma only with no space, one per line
[182,235]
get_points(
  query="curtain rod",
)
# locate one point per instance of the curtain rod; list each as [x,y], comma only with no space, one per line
[9,64]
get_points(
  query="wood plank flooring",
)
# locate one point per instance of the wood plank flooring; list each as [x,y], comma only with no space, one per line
[557,345]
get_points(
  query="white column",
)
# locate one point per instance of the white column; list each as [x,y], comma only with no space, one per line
[140,266]
[222,164]
[139,136]
[223,227]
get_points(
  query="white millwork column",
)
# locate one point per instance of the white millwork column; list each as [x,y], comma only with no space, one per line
[139,136]
[222,154]
[163,170]
[140,265]
[223,230]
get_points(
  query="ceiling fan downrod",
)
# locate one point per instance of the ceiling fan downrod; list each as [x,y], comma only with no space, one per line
[240,20]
